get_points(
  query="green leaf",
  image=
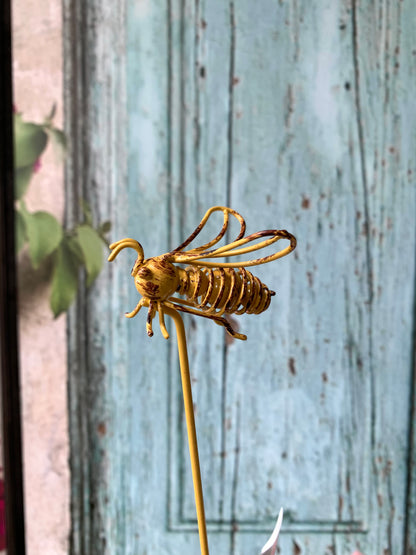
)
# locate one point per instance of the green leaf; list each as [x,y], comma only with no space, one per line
[86,209]
[75,248]
[30,141]
[44,233]
[92,249]
[64,280]
[105,227]
[23,210]
[58,140]
[20,230]
[22,178]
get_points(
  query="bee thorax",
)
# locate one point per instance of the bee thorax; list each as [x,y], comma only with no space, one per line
[157,279]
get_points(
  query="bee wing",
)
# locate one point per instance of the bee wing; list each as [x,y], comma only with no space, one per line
[204,248]
[237,248]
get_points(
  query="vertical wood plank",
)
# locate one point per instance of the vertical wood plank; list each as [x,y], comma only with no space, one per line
[302,349]
[384,59]
[95,123]
[200,181]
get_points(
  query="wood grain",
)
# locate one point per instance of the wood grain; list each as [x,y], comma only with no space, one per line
[300,116]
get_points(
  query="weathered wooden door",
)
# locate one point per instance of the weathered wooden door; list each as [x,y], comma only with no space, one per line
[300,115]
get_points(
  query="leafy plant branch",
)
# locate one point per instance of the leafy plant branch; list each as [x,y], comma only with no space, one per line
[69,249]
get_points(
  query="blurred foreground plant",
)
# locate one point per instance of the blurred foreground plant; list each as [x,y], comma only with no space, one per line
[69,249]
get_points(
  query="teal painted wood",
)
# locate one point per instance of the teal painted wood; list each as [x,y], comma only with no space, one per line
[300,115]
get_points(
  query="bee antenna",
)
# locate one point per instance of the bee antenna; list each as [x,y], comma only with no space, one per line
[123,244]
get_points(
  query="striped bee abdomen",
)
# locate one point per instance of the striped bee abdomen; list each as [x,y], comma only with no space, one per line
[224,290]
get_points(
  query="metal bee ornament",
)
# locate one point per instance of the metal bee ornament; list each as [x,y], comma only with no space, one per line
[212,289]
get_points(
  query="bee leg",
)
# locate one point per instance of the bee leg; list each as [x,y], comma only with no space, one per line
[228,327]
[217,319]
[162,320]
[150,316]
[135,311]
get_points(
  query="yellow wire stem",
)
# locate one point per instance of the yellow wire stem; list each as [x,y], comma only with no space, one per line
[190,426]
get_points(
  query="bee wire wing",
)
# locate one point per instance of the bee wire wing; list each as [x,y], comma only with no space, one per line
[233,249]
[203,248]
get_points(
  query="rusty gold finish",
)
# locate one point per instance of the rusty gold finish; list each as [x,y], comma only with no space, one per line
[211,290]
[190,426]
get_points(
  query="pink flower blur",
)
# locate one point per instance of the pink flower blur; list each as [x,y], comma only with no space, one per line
[37,165]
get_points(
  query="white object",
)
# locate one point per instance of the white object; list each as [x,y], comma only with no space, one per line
[269,547]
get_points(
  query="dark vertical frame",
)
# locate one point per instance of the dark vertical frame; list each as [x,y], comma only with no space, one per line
[12,446]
